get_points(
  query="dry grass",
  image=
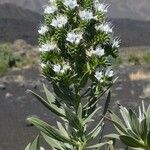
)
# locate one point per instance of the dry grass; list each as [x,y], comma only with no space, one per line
[139,75]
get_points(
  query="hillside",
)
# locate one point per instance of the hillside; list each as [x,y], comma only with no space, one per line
[18,23]
[133,9]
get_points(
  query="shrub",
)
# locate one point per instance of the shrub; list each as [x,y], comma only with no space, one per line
[7,58]
[134,131]
[77,52]
[146,58]
[134,59]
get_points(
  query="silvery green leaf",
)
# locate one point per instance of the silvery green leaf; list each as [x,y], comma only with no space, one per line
[97,145]
[35,144]
[50,130]
[62,129]
[95,131]
[88,119]
[28,147]
[131,142]
[53,108]
[80,111]
[125,115]
[52,142]
[49,95]
[118,124]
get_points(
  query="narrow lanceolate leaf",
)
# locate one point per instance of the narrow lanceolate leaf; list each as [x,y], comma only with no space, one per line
[91,135]
[131,142]
[88,119]
[50,131]
[62,129]
[134,122]
[125,115]
[148,118]
[97,145]
[49,95]
[143,129]
[72,118]
[80,111]
[28,147]
[53,108]
[148,139]
[52,142]
[112,136]
[35,144]
[118,124]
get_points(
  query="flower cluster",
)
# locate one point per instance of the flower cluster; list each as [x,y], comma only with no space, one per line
[67,36]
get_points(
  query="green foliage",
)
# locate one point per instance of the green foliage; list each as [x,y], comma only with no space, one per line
[146,58]
[134,59]
[134,131]
[76,43]
[7,58]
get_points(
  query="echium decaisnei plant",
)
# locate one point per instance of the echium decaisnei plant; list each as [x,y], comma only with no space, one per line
[77,49]
[134,130]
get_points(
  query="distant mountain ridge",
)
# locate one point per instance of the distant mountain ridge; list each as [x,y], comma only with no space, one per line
[18,23]
[133,9]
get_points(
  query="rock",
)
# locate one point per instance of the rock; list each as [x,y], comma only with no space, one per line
[8,95]
[2,86]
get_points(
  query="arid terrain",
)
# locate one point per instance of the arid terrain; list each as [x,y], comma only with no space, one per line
[132,86]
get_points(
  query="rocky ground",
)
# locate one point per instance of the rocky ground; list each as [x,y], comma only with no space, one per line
[132,86]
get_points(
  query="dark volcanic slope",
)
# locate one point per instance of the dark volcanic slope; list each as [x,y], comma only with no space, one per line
[16,23]
[132,32]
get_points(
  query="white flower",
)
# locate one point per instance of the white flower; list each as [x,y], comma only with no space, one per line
[43,29]
[43,65]
[74,37]
[86,15]
[99,51]
[47,47]
[98,75]
[65,68]
[100,6]
[41,148]
[109,73]
[50,9]
[116,43]
[70,3]
[60,21]
[57,68]
[105,27]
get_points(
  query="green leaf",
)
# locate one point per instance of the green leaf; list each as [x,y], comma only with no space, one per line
[91,135]
[131,142]
[28,146]
[134,122]
[84,80]
[97,145]
[88,119]
[62,129]
[118,124]
[35,144]
[51,107]
[125,115]
[52,142]
[112,136]
[49,130]
[79,112]
[148,139]
[73,118]
[64,95]
[143,129]
[49,95]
